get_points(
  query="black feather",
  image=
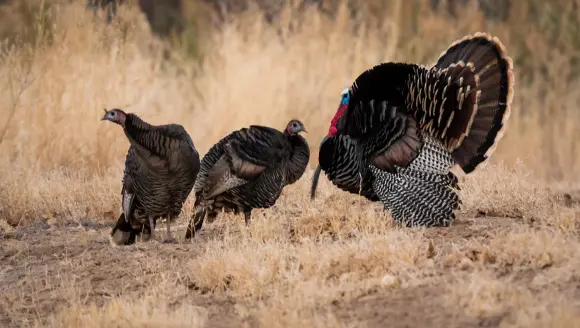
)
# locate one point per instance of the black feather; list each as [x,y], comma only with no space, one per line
[247,169]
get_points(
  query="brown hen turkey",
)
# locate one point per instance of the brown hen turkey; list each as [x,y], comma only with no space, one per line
[160,170]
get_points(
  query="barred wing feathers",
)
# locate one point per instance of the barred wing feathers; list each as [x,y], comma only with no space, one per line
[238,158]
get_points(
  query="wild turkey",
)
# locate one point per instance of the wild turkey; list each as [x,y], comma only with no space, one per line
[248,169]
[400,128]
[160,170]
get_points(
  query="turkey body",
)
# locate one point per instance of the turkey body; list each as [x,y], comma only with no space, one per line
[247,169]
[401,127]
[161,167]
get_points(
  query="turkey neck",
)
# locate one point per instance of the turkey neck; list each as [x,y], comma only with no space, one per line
[299,157]
[143,135]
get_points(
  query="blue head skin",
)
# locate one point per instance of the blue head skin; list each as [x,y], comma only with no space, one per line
[345,97]
[344,100]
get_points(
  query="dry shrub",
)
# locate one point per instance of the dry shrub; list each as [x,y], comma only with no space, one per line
[506,191]
[482,294]
[514,273]
[485,294]
[251,268]
[59,194]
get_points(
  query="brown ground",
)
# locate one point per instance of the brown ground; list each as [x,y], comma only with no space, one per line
[304,264]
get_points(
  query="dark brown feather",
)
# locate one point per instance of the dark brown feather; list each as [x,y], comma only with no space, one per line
[160,171]
[242,168]
[402,152]
[247,169]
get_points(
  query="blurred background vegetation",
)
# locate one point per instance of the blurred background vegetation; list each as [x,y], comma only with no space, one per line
[304,51]
[531,25]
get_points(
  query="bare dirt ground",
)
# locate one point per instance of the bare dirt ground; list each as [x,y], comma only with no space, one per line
[303,263]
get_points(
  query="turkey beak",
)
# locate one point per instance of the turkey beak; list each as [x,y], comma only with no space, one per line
[104,116]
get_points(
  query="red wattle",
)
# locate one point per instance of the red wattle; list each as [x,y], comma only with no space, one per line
[333,130]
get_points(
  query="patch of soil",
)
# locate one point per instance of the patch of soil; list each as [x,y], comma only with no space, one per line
[412,307]
[37,268]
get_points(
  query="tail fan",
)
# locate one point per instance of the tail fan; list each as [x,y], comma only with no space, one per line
[470,90]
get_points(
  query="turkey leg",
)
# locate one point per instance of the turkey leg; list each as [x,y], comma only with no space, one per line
[168,238]
[247,217]
[152,227]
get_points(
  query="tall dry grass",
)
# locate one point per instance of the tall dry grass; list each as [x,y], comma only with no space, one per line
[56,85]
[253,73]
[328,263]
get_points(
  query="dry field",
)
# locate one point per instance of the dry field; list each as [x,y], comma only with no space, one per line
[512,259]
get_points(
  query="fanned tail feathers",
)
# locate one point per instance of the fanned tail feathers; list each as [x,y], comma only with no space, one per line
[464,100]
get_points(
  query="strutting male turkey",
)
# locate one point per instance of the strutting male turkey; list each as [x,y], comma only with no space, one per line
[400,127]
[248,169]
[160,170]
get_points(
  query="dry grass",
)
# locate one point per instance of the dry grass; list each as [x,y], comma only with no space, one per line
[338,261]
[512,259]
